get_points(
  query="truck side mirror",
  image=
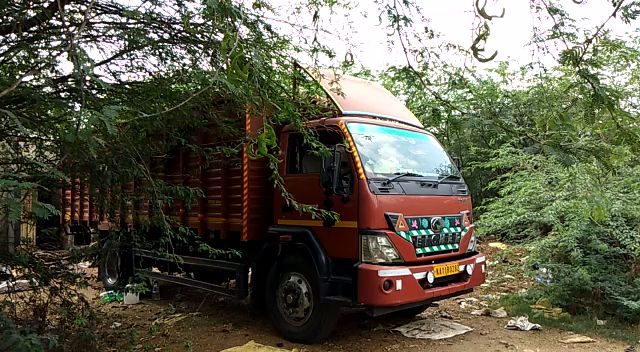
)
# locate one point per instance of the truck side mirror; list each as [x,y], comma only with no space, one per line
[330,176]
[457,162]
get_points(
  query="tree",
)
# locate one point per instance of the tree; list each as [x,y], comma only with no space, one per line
[94,90]
[87,87]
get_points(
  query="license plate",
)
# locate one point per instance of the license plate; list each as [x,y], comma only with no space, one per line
[446,270]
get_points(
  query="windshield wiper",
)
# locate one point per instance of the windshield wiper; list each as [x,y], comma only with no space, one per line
[399,175]
[448,176]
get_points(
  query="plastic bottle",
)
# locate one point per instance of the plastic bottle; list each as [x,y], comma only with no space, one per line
[107,297]
[155,291]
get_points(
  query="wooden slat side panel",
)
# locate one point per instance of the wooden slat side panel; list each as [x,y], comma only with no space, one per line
[213,187]
[174,177]
[66,196]
[260,200]
[233,199]
[237,194]
[84,202]
[192,179]
[158,166]
[75,200]
[257,190]
[234,191]
[128,207]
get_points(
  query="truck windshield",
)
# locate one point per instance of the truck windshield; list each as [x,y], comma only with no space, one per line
[388,151]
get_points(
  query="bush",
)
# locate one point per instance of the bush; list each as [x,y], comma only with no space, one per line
[54,315]
[580,221]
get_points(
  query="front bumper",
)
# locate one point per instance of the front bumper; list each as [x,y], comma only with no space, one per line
[408,283]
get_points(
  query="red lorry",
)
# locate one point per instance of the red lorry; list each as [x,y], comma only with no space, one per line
[404,238]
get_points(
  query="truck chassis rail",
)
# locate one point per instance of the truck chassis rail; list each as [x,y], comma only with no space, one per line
[241,273]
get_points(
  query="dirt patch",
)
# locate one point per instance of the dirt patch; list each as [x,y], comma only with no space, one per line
[191,320]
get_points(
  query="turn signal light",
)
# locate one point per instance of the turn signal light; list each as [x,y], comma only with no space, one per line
[466,218]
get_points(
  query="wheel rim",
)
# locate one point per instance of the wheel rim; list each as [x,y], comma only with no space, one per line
[294,298]
[112,268]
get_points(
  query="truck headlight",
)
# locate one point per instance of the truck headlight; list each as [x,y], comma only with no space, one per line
[473,243]
[377,248]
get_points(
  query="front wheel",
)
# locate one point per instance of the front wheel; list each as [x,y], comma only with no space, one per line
[294,304]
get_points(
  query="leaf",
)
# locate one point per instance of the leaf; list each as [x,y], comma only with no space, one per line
[111,111]
[262,145]
[44,210]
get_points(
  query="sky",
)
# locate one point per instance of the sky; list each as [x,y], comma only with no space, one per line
[359,31]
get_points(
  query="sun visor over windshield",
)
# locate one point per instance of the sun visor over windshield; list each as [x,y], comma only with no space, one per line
[355,96]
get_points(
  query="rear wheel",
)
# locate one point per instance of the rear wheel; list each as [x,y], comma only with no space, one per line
[114,268]
[294,304]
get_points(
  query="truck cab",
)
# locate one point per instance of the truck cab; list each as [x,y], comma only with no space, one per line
[405,234]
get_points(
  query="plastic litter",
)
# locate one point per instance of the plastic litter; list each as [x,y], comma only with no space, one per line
[446,315]
[496,313]
[131,298]
[522,323]
[253,346]
[5,273]
[17,285]
[432,329]
[468,302]
[544,306]
[498,245]
[575,338]
[544,276]
[170,319]
[111,296]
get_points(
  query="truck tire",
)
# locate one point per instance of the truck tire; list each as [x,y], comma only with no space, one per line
[294,303]
[115,267]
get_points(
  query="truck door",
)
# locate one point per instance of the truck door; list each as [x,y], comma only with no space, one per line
[302,169]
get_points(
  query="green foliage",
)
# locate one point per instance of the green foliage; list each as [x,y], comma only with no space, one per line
[519,305]
[13,338]
[550,157]
[571,194]
[53,315]
[581,223]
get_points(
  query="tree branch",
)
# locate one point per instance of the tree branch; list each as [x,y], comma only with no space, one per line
[45,15]
[590,40]
[17,83]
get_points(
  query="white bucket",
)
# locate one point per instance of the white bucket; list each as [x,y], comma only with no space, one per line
[130,297]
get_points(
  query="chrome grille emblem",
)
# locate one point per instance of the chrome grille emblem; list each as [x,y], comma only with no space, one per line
[437,224]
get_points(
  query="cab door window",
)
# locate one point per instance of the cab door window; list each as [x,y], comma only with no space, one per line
[302,159]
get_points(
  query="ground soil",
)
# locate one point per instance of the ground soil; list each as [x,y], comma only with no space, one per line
[191,320]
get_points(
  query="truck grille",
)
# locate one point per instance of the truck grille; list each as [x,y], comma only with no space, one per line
[437,239]
[447,241]
[426,242]
[431,234]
